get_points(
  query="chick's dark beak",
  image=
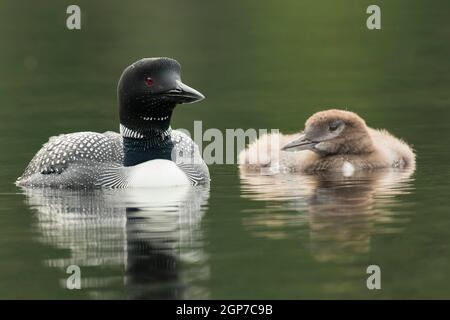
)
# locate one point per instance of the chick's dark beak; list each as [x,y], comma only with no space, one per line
[182,93]
[299,144]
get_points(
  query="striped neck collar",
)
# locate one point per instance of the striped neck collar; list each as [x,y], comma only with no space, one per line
[155,134]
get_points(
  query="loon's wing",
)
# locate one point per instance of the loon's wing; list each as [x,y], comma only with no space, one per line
[73,160]
[188,158]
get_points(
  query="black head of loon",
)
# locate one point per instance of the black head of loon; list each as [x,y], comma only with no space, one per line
[148,91]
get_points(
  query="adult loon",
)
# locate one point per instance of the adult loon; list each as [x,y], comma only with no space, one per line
[333,140]
[146,153]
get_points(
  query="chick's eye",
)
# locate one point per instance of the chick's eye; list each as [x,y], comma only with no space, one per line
[149,82]
[334,126]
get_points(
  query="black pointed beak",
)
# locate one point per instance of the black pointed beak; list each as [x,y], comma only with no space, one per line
[299,144]
[184,94]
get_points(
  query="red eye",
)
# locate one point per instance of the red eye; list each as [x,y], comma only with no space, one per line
[149,82]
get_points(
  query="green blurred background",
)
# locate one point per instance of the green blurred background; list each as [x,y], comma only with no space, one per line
[261,64]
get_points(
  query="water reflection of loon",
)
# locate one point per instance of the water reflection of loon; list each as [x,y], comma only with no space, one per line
[342,213]
[153,233]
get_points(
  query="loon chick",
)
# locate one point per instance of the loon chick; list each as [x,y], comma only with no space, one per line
[146,153]
[334,140]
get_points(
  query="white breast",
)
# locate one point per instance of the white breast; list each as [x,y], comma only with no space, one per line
[156,173]
[347,169]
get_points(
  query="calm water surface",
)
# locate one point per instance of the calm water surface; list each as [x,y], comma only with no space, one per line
[261,65]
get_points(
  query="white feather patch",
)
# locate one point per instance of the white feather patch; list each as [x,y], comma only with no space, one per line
[347,169]
[155,173]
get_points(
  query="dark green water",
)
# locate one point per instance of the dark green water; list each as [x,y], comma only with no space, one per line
[261,64]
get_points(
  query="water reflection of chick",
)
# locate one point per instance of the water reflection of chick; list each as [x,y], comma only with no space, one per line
[154,235]
[342,213]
